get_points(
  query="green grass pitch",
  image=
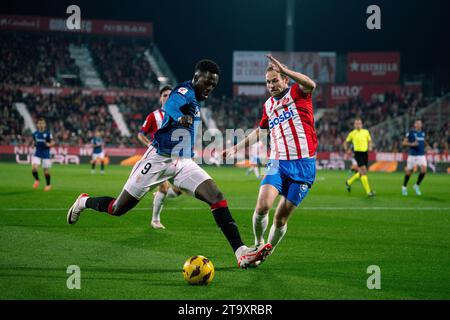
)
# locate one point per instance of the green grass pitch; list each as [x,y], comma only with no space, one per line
[331,241]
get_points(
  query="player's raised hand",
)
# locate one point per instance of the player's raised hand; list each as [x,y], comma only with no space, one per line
[277,65]
[185,121]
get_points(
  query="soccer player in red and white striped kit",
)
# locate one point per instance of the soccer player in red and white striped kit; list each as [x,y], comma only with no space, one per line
[289,119]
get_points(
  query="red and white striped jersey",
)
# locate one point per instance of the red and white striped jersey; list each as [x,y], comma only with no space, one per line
[153,122]
[290,121]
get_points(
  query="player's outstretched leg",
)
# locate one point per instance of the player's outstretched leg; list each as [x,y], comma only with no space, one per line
[47,180]
[405,182]
[102,167]
[34,171]
[349,182]
[279,226]
[173,192]
[165,190]
[158,202]
[365,181]
[116,207]
[93,166]
[423,171]
[208,192]
[266,197]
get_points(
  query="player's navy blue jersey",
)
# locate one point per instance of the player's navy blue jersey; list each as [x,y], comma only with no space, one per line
[418,136]
[97,142]
[40,140]
[171,137]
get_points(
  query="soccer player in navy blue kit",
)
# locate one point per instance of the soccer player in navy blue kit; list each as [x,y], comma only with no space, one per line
[170,157]
[415,140]
[98,153]
[43,141]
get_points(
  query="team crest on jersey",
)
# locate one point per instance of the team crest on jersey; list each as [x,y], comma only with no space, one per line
[182,90]
[285,101]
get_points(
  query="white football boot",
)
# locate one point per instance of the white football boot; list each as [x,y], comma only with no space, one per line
[404,191]
[417,190]
[75,210]
[156,224]
[250,256]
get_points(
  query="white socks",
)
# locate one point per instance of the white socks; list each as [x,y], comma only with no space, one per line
[260,223]
[276,234]
[157,205]
[171,193]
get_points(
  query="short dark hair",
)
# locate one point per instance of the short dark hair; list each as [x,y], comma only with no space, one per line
[40,119]
[207,65]
[164,89]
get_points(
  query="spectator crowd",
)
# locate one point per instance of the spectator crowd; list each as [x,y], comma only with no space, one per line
[35,59]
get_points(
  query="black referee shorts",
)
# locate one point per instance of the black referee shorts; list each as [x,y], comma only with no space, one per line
[362,158]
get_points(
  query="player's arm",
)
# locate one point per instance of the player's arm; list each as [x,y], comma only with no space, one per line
[347,141]
[146,128]
[370,143]
[306,83]
[408,143]
[173,108]
[405,142]
[51,142]
[256,135]
[345,146]
[143,139]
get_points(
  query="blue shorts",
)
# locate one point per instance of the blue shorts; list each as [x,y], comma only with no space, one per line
[292,178]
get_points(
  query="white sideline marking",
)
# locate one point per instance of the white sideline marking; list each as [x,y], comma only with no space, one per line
[252,208]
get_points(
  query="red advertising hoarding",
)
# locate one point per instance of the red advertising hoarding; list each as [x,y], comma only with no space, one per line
[104,27]
[373,67]
[75,155]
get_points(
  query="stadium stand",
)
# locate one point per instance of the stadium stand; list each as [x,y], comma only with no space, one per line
[123,65]
[42,59]
[32,59]
[74,118]
[335,124]
[11,123]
